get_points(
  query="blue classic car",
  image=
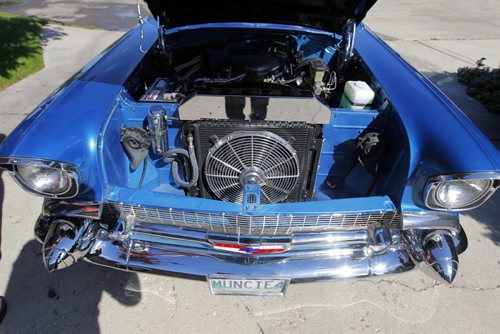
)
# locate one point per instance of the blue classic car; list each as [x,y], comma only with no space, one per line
[252,144]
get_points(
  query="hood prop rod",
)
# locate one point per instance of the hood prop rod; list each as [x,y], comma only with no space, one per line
[347,50]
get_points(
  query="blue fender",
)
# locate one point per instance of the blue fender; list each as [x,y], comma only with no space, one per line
[442,139]
[67,126]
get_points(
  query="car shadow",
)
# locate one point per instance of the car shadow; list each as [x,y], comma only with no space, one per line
[65,301]
[2,137]
[488,214]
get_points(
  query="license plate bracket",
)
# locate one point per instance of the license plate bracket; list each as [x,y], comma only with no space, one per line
[241,285]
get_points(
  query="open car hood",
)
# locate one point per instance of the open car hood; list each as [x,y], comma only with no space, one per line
[329,15]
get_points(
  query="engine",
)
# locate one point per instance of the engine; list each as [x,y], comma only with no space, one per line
[251,112]
[260,66]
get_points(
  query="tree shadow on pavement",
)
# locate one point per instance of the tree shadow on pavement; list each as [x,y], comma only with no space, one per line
[486,121]
[488,215]
[65,301]
[52,33]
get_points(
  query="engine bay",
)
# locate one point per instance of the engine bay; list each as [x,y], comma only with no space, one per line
[253,119]
[236,64]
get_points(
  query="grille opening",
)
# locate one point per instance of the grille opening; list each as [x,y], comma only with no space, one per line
[282,157]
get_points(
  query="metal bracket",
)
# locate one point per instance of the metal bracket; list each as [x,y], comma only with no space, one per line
[141,22]
[349,38]
[139,13]
[161,38]
[251,197]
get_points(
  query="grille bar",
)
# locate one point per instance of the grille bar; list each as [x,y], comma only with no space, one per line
[241,224]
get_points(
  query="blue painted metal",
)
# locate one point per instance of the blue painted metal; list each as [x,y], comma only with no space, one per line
[67,126]
[118,61]
[338,151]
[68,131]
[442,139]
[80,123]
[251,197]
[145,197]
[438,131]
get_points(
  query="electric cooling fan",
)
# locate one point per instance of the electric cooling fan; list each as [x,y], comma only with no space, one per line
[252,157]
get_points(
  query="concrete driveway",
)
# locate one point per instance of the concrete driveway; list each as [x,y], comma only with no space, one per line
[118,15]
[436,37]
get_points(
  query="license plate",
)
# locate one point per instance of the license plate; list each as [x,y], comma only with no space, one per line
[247,286]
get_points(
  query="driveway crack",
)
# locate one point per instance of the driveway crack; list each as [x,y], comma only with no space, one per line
[250,313]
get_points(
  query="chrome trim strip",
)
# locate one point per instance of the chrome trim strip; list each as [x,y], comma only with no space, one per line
[169,234]
[4,163]
[495,175]
[140,243]
[430,221]
[59,208]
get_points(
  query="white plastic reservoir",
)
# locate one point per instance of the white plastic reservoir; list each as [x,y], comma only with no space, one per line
[357,96]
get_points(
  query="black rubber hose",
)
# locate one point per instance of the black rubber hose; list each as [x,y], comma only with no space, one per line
[170,157]
[193,160]
[143,172]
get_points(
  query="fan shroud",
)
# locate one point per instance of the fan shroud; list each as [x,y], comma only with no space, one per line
[256,157]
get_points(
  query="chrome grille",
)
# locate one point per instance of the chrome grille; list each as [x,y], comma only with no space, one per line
[239,224]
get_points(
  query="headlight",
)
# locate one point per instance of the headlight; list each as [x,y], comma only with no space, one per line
[460,192]
[46,178]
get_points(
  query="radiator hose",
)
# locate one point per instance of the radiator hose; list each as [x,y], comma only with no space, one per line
[189,154]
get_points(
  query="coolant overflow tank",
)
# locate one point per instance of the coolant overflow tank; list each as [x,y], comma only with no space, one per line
[357,96]
[157,123]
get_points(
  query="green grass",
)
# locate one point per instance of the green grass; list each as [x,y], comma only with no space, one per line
[21,52]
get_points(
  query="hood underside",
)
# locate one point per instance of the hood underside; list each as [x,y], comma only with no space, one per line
[329,15]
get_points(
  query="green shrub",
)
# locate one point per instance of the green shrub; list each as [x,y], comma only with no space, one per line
[483,84]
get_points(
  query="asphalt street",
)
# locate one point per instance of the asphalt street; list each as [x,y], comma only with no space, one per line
[436,37]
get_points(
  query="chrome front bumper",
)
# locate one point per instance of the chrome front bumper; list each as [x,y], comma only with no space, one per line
[312,258]
[150,246]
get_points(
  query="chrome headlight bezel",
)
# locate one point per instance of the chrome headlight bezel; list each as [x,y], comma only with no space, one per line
[70,171]
[435,183]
